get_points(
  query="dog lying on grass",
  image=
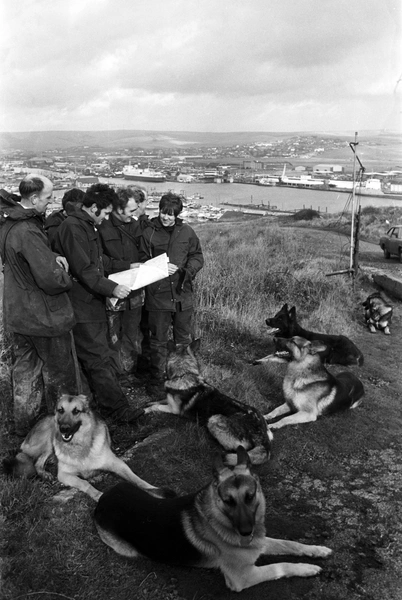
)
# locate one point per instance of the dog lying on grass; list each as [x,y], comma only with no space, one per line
[229,421]
[378,313]
[309,389]
[221,526]
[81,442]
[338,348]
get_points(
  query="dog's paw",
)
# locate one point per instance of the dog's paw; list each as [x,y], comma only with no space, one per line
[319,551]
[307,570]
[65,495]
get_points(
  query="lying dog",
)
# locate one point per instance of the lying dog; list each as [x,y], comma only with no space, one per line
[81,442]
[338,348]
[221,526]
[230,422]
[378,313]
[309,389]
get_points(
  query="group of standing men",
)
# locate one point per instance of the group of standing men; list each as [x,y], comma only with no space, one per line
[73,329]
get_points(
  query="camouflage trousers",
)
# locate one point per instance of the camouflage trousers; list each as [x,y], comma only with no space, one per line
[125,337]
[43,367]
[161,324]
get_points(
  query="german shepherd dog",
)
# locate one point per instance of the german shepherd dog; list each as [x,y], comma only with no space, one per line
[80,440]
[338,348]
[378,313]
[229,421]
[221,526]
[309,389]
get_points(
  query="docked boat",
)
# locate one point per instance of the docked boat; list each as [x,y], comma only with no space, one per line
[137,174]
[304,181]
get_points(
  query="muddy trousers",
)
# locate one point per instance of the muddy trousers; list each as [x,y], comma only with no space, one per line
[96,359]
[125,336]
[43,368]
[160,323]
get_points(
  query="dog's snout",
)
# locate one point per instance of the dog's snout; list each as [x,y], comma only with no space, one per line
[65,428]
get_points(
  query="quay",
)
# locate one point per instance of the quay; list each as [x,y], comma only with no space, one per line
[262,209]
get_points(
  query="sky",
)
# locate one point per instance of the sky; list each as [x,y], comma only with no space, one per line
[201,65]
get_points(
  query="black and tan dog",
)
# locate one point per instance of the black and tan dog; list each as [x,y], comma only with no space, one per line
[378,312]
[309,389]
[338,348]
[229,421]
[221,526]
[80,440]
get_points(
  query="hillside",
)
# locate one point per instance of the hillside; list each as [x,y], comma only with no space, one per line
[335,482]
[47,140]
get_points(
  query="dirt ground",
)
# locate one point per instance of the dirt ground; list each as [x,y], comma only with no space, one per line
[336,482]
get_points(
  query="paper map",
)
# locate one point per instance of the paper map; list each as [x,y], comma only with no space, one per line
[148,272]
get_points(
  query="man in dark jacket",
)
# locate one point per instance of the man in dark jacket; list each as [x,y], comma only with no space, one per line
[37,310]
[120,236]
[169,302]
[70,200]
[78,239]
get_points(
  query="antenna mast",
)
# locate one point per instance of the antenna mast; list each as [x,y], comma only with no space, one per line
[354,229]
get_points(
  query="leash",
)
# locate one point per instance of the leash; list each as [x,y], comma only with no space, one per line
[76,365]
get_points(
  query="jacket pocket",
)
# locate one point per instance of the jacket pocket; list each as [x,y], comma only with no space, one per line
[58,302]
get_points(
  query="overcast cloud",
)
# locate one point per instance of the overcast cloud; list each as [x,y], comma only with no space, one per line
[200,65]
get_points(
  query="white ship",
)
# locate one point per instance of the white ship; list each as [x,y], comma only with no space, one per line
[137,174]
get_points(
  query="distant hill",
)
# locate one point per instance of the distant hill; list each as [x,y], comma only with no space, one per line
[38,141]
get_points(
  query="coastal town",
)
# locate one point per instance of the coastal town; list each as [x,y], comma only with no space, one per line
[297,161]
[312,162]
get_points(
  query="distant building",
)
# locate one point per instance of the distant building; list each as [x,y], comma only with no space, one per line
[328,169]
[85,181]
[252,164]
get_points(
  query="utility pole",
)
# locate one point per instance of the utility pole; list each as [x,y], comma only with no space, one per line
[356,211]
[355,224]
[352,227]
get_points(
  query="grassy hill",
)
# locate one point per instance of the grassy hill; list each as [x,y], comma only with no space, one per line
[47,140]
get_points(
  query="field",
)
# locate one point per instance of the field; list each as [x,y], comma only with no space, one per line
[336,482]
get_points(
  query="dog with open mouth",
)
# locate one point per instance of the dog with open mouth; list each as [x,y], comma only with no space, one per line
[80,441]
[310,390]
[338,349]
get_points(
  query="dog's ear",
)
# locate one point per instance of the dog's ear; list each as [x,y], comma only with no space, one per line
[317,346]
[220,470]
[243,458]
[284,308]
[292,313]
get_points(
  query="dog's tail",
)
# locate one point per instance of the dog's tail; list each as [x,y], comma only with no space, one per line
[258,455]
[161,492]
[19,466]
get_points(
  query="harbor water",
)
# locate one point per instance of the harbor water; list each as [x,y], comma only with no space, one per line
[265,197]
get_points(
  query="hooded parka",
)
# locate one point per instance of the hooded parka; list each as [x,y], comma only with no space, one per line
[35,300]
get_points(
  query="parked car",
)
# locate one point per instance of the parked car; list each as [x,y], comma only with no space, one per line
[391,242]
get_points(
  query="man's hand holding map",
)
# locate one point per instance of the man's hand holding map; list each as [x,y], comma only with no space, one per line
[148,272]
